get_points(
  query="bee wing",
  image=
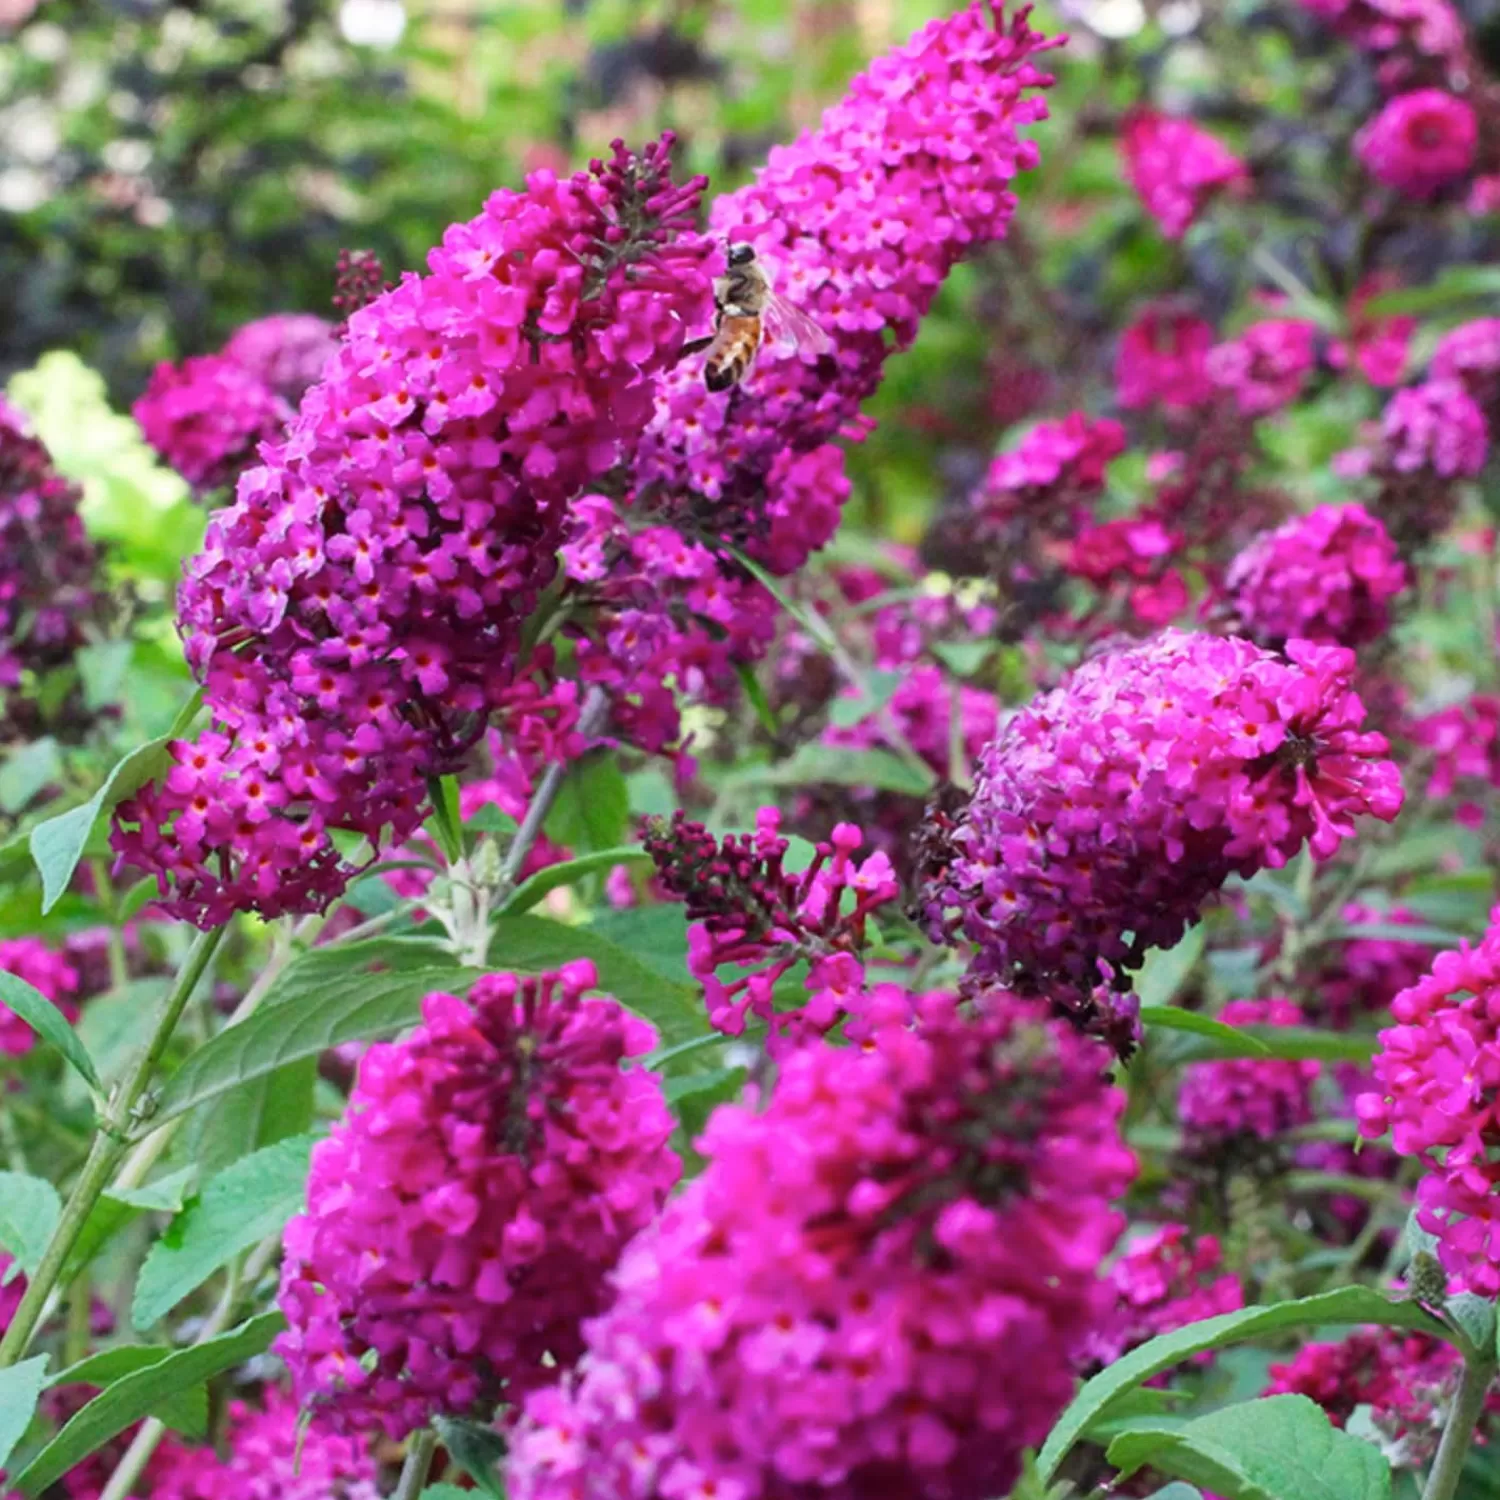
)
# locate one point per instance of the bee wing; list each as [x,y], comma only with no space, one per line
[790,328]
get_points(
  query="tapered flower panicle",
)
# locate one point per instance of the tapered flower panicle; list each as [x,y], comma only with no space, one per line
[858,222]
[874,1289]
[1177,167]
[755,919]
[270,1453]
[1326,576]
[355,616]
[207,417]
[1107,812]
[1436,1078]
[1261,1098]
[49,583]
[461,1218]
[286,351]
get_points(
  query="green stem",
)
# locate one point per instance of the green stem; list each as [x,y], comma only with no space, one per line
[418,1462]
[105,1153]
[1458,1430]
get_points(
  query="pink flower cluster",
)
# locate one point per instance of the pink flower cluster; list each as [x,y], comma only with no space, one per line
[1177,167]
[1326,576]
[1165,1280]
[749,912]
[877,1286]
[46,971]
[1465,743]
[1410,37]
[49,580]
[1364,974]
[461,1217]
[1435,427]
[1266,366]
[207,417]
[1406,1379]
[1420,142]
[1163,360]
[1379,346]
[1221,1102]
[356,615]
[857,223]
[1108,811]
[1470,354]
[269,1455]
[1437,1076]
[286,351]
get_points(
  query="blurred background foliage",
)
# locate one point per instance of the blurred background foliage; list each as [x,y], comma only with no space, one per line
[169,171]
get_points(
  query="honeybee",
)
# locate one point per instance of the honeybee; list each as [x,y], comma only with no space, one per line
[748,313]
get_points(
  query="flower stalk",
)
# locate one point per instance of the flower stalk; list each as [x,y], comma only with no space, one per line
[127,1103]
[1458,1430]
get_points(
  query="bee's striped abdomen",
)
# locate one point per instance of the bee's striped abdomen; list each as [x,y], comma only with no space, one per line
[734,347]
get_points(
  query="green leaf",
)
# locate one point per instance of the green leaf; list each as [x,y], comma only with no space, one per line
[963,658]
[262,1112]
[1397,932]
[26,771]
[832,765]
[184,1411]
[1129,1409]
[531,945]
[592,809]
[1276,1448]
[122,1206]
[755,695]
[445,822]
[478,1450]
[529,892]
[57,845]
[138,1394]
[1349,1304]
[1453,288]
[29,1211]
[1230,1042]
[243,1204]
[276,1036]
[20,1388]
[877,690]
[1289,1043]
[1160,979]
[49,1023]
[102,667]
[656,935]
[445,1492]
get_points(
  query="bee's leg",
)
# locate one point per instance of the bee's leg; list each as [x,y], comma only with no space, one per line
[694,346]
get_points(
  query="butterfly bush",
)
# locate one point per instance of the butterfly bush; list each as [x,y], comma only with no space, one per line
[47,971]
[355,616]
[1435,1077]
[1176,167]
[1267,366]
[1110,809]
[286,351]
[1222,1102]
[1420,142]
[1326,576]
[1411,38]
[462,1215]
[269,1454]
[51,593]
[749,913]
[858,222]
[207,417]
[1163,360]
[876,1286]
[1166,1279]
